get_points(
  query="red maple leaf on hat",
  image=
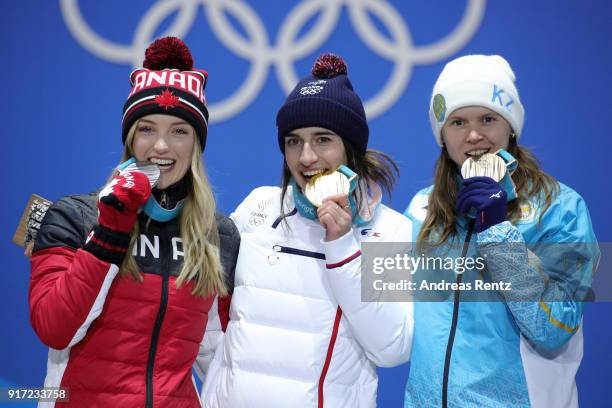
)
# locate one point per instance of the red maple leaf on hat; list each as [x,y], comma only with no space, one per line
[167,99]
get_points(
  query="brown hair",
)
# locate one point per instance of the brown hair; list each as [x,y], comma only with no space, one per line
[530,181]
[374,166]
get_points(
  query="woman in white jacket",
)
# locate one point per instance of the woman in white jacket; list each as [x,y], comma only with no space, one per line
[299,333]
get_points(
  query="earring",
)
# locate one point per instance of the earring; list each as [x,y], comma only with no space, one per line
[512,135]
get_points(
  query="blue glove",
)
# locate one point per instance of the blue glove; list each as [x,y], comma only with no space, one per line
[487,197]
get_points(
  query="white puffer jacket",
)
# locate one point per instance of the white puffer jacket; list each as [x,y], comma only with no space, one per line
[299,334]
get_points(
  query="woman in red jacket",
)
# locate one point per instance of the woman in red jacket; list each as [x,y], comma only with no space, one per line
[126,283]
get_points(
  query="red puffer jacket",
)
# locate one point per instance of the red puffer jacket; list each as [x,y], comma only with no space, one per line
[114,341]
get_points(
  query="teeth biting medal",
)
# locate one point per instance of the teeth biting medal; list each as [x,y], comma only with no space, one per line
[149,169]
[487,165]
[323,185]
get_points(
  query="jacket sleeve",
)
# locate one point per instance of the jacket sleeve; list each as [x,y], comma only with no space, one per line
[384,329]
[68,285]
[549,279]
[218,316]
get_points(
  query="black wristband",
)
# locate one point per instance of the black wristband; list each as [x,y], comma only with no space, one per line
[108,245]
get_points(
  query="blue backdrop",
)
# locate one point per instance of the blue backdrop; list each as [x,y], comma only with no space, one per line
[66,65]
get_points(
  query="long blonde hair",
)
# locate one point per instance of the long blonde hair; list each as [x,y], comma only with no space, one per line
[530,181]
[198,231]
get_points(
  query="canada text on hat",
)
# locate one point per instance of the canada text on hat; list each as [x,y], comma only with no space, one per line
[192,82]
[168,84]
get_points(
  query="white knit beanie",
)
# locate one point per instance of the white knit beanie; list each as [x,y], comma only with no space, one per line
[476,80]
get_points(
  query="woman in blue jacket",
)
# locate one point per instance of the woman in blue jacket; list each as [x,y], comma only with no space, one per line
[519,344]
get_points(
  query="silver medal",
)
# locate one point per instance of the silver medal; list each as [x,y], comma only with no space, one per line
[487,165]
[149,169]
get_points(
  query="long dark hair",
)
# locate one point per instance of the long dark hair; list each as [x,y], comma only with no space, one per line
[374,166]
[529,178]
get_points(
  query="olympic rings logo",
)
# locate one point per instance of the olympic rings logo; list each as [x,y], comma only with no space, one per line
[288,48]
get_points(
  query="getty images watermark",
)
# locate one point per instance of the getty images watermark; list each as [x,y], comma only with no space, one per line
[411,264]
[480,272]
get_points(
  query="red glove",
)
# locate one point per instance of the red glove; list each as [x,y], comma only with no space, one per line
[118,204]
[119,201]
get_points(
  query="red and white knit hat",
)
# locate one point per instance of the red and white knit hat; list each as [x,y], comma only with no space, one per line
[169,85]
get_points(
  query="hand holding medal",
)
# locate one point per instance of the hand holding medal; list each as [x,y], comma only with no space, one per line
[482,197]
[149,169]
[329,192]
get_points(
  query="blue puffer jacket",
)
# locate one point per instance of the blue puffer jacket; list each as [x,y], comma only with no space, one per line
[505,353]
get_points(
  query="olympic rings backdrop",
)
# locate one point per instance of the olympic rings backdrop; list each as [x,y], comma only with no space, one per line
[65,71]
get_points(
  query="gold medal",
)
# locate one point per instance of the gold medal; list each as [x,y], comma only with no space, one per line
[326,184]
[487,165]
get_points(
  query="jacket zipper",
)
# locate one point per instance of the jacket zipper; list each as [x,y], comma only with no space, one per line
[155,336]
[295,251]
[328,357]
[332,341]
[453,330]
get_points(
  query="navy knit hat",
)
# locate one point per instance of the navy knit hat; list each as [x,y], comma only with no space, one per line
[168,84]
[325,99]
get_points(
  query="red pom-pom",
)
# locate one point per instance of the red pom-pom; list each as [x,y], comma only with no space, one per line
[329,66]
[168,52]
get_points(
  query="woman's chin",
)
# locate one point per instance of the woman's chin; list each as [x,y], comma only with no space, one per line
[163,183]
